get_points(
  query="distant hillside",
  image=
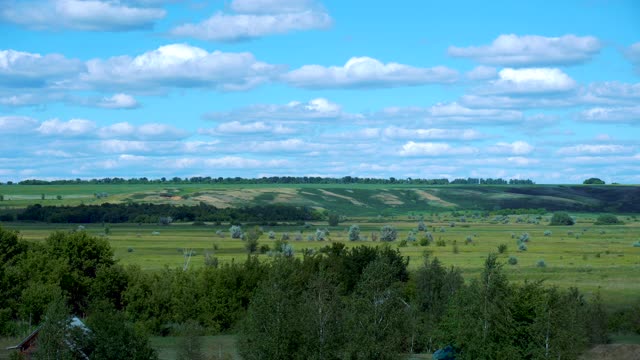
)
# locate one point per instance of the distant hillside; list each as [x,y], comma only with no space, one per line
[352,199]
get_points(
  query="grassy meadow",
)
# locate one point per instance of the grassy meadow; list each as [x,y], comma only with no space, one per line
[590,257]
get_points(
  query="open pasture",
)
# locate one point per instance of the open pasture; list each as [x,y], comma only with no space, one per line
[585,255]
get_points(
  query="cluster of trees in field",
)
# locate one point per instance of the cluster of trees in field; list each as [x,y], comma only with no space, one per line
[339,302]
[163,213]
[282,180]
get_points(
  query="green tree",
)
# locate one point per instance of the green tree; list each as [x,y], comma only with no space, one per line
[376,315]
[113,337]
[53,341]
[608,219]
[354,232]
[190,343]
[388,233]
[334,219]
[561,218]
[593,181]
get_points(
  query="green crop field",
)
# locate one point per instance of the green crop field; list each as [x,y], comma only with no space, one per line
[590,257]
[348,199]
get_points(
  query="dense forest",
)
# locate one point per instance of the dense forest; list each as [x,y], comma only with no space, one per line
[162,213]
[357,303]
[281,180]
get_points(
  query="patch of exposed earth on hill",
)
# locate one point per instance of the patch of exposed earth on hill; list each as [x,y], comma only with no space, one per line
[388,199]
[433,199]
[350,199]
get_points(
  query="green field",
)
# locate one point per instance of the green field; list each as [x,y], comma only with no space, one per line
[586,256]
[348,199]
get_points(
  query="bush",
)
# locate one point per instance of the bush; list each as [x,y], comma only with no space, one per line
[440,242]
[388,233]
[354,232]
[522,247]
[636,244]
[561,218]
[284,237]
[422,226]
[402,243]
[547,233]
[541,263]
[524,238]
[210,260]
[502,248]
[468,240]
[334,219]
[236,232]
[411,236]
[608,219]
[424,241]
[321,235]
[130,249]
[513,260]
[272,235]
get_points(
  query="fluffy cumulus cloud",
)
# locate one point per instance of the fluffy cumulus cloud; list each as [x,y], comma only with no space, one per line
[73,127]
[530,81]
[179,65]
[482,73]
[412,148]
[118,101]
[17,124]
[614,115]
[366,72]
[294,111]
[514,148]
[589,149]
[454,112]
[20,69]
[88,15]
[253,19]
[633,54]
[532,50]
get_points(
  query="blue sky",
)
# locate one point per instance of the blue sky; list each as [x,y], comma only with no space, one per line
[543,90]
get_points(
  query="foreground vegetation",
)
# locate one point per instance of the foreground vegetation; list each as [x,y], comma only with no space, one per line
[299,307]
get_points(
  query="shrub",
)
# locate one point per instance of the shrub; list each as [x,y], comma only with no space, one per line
[388,233]
[455,247]
[334,219]
[440,242]
[422,226]
[547,233]
[522,247]
[524,237]
[468,240]
[512,260]
[272,235]
[264,248]
[608,219]
[298,237]
[210,260]
[502,248]
[321,235]
[354,232]
[411,236]
[424,241]
[284,237]
[636,244]
[541,263]
[402,243]
[236,232]
[561,218]
[130,249]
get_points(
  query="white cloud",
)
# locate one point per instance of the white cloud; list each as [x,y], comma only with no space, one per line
[454,112]
[530,81]
[532,50]
[363,72]
[588,149]
[294,111]
[482,73]
[514,148]
[17,124]
[88,15]
[271,6]
[149,131]
[236,127]
[431,134]
[621,115]
[236,162]
[123,146]
[434,149]
[633,54]
[73,127]
[288,145]
[224,27]
[118,101]
[180,65]
[20,69]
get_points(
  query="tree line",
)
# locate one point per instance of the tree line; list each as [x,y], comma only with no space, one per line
[335,303]
[163,213]
[281,180]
